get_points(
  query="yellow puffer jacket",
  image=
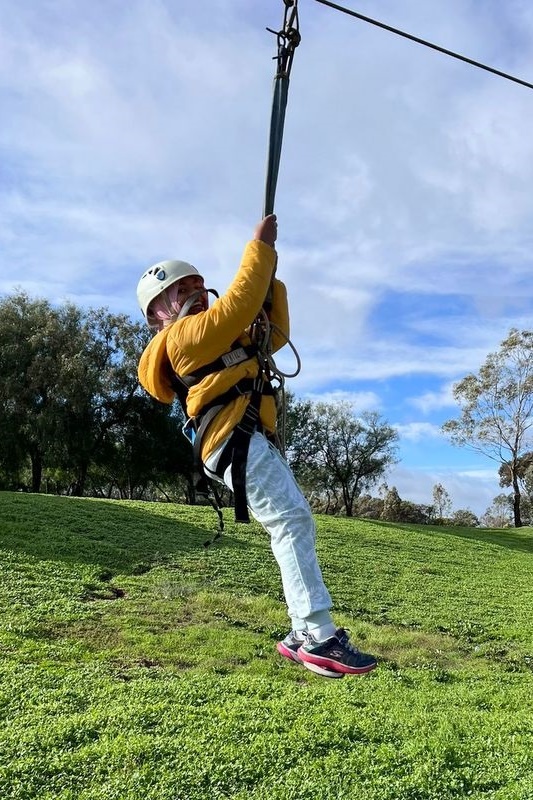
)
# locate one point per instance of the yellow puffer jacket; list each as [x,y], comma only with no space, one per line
[197,340]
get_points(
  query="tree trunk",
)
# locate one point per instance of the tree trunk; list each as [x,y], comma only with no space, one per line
[516,502]
[348,507]
[79,484]
[36,471]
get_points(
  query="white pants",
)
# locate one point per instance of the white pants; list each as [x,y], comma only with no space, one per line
[275,500]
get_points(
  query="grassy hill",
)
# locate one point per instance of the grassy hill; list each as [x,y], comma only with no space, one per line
[137,665]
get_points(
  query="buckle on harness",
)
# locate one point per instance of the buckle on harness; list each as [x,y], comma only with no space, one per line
[234,357]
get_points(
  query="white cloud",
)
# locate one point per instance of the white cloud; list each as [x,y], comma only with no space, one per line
[419,431]
[434,401]
[360,401]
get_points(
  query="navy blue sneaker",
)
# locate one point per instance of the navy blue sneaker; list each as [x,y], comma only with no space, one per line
[289,648]
[336,654]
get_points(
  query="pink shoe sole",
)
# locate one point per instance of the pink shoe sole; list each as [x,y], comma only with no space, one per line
[315,664]
[286,652]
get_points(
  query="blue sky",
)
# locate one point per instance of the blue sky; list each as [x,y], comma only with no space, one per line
[137,131]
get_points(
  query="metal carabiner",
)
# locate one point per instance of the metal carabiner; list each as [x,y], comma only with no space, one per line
[288,38]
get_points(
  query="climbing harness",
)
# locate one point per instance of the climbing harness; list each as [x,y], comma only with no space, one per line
[235,451]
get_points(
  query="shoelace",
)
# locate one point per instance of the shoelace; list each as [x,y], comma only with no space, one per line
[345,641]
[297,638]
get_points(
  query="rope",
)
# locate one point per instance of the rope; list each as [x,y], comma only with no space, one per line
[261,334]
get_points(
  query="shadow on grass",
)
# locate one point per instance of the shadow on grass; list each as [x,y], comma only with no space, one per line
[126,538]
[508,538]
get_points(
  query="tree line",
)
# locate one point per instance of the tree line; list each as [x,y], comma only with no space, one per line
[75,421]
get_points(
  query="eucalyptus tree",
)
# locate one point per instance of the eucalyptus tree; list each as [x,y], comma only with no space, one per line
[335,452]
[441,501]
[497,409]
[392,506]
[464,518]
[67,379]
[500,512]
[101,385]
[524,473]
[37,345]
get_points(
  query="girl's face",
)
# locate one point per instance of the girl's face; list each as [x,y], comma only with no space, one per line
[180,292]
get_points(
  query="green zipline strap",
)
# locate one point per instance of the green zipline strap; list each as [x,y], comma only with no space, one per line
[277,121]
[288,40]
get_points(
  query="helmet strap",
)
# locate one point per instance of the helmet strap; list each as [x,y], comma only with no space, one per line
[186,307]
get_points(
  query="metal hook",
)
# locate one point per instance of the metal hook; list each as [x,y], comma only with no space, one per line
[288,37]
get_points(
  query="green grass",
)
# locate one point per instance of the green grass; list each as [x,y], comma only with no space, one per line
[136,665]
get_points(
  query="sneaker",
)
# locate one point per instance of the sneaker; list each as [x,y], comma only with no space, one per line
[289,648]
[290,645]
[335,654]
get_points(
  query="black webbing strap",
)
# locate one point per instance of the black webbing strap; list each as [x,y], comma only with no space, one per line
[210,410]
[237,354]
[236,452]
[236,449]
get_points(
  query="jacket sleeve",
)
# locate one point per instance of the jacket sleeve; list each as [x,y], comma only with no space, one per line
[201,338]
[153,369]
[279,315]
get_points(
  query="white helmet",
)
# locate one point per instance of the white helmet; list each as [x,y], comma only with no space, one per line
[158,278]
